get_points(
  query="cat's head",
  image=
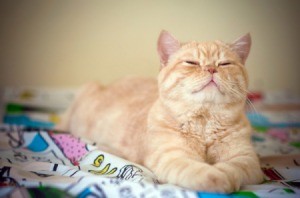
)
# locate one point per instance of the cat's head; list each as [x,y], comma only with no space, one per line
[203,72]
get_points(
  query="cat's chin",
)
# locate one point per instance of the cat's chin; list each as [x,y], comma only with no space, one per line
[209,94]
[211,86]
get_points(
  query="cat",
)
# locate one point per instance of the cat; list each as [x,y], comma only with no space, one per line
[188,126]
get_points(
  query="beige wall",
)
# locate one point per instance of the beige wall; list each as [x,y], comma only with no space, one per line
[66,43]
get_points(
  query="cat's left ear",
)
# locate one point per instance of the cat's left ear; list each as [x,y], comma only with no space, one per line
[166,46]
[242,46]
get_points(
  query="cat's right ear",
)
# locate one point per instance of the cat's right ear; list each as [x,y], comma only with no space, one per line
[166,46]
[242,47]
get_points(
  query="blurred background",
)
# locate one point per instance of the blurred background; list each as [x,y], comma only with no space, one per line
[67,43]
[51,47]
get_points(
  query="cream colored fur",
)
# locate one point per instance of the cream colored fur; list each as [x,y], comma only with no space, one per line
[188,126]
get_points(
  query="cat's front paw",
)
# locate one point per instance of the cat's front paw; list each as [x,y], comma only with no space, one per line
[212,180]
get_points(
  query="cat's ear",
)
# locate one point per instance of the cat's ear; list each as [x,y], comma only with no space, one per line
[166,46]
[242,46]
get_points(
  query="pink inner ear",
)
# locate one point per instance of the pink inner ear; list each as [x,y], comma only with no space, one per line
[166,46]
[242,47]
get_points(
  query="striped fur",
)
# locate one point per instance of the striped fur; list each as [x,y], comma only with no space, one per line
[189,130]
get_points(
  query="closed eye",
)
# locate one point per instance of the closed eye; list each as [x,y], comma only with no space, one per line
[192,62]
[224,63]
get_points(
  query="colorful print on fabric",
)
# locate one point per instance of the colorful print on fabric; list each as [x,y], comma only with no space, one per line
[272,174]
[39,163]
[106,170]
[38,144]
[72,147]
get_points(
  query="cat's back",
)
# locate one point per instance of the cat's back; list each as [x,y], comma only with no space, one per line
[122,104]
[130,89]
[113,116]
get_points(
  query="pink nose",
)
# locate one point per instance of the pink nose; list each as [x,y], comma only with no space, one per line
[211,70]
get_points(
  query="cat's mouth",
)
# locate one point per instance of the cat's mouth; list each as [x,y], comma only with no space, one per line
[211,84]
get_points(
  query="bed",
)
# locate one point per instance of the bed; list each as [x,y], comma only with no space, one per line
[37,161]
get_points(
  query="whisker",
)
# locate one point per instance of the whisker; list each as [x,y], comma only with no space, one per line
[251,105]
[228,87]
[239,95]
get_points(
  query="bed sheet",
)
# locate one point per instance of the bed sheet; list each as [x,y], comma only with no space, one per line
[47,163]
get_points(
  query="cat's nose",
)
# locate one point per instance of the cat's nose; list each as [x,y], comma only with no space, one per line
[211,70]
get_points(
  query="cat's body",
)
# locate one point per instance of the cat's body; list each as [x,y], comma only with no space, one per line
[121,115]
[189,127]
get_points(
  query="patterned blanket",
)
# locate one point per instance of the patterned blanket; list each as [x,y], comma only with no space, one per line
[47,163]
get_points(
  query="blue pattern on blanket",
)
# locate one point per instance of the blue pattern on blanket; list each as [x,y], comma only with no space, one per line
[38,144]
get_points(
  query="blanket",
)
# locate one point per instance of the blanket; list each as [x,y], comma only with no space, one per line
[47,163]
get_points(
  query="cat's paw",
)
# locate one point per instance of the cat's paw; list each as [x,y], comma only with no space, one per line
[212,180]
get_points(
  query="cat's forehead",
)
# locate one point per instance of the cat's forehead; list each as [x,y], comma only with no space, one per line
[208,46]
[203,50]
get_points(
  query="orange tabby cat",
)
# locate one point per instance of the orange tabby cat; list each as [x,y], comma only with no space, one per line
[188,127]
